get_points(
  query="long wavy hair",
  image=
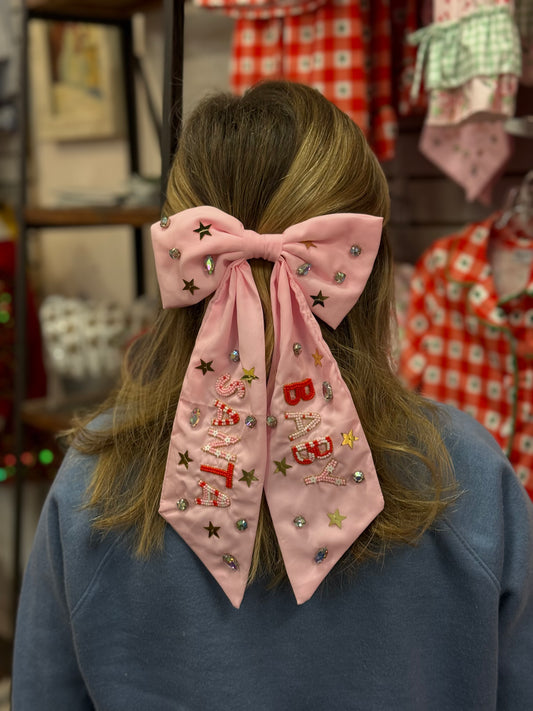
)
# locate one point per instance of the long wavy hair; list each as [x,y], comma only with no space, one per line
[278,155]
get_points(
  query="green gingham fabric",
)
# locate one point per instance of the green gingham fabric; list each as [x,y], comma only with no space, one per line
[485,43]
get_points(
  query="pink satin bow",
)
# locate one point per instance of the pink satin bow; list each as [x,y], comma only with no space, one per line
[297,437]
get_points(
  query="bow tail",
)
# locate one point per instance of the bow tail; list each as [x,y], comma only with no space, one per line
[215,468]
[322,488]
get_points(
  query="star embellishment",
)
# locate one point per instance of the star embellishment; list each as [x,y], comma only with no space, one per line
[190,286]
[336,519]
[249,375]
[203,231]
[349,438]
[318,358]
[282,466]
[213,530]
[318,299]
[205,367]
[308,243]
[248,477]
[184,459]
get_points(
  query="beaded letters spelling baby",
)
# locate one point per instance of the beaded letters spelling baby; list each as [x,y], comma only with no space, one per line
[297,437]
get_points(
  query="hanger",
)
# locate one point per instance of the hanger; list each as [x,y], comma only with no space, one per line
[519,204]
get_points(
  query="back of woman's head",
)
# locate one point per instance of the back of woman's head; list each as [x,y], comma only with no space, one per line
[280,154]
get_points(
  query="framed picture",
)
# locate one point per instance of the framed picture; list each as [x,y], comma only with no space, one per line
[76,80]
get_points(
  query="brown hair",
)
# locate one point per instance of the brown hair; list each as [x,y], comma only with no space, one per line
[278,155]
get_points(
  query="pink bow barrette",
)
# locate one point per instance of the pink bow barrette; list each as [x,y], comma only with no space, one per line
[297,437]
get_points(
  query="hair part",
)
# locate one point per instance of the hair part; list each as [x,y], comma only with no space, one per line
[278,155]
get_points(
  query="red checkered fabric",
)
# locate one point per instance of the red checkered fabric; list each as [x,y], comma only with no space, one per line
[465,345]
[341,48]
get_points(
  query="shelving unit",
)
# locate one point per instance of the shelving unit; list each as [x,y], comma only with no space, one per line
[118,13]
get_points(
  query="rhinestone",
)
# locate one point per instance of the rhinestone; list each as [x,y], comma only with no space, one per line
[165,222]
[299,521]
[174,253]
[209,265]
[234,356]
[182,504]
[303,269]
[271,421]
[340,277]
[296,349]
[242,524]
[355,250]
[250,422]
[230,561]
[327,390]
[358,477]
[194,419]
[321,555]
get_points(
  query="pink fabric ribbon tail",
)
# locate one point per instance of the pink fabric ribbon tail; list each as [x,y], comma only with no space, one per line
[297,437]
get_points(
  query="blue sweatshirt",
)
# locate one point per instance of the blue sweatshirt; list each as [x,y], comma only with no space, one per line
[445,625]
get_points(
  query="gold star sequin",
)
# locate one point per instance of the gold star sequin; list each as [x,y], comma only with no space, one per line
[213,530]
[249,375]
[190,286]
[203,231]
[336,519]
[308,243]
[318,299]
[184,459]
[282,466]
[318,358]
[205,367]
[349,438]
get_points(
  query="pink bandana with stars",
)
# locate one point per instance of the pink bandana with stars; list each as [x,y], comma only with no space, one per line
[296,437]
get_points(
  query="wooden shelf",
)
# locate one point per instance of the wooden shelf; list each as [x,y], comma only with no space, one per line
[91,216]
[87,9]
[45,416]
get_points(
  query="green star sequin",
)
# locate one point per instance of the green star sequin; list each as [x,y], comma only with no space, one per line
[205,367]
[203,231]
[184,459]
[190,286]
[318,299]
[248,477]
[336,519]
[213,530]
[282,466]
[249,375]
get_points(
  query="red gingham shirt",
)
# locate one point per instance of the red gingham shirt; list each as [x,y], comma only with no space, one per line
[465,345]
[339,47]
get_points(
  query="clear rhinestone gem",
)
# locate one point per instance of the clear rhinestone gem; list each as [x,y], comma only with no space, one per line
[327,390]
[358,477]
[250,421]
[194,419]
[355,250]
[165,222]
[182,504]
[299,521]
[340,277]
[209,265]
[321,555]
[271,421]
[234,356]
[242,524]
[230,561]
[174,253]
[303,269]
[296,348]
